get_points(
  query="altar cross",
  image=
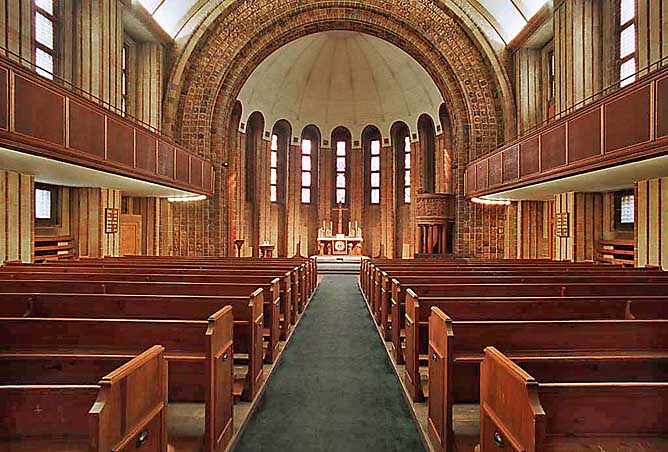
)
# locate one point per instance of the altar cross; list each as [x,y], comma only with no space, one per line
[340,209]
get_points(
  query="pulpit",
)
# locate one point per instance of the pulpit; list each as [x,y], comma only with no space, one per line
[435,218]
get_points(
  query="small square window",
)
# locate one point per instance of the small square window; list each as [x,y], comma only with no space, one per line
[341,148]
[375,196]
[340,196]
[627,42]
[44,63]
[340,181]
[407,195]
[627,72]
[273,194]
[306,179]
[375,163]
[375,147]
[306,146]
[306,195]
[375,180]
[274,176]
[306,163]
[46,5]
[340,164]
[627,209]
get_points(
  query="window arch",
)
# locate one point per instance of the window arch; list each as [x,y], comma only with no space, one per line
[402,150]
[280,140]
[427,135]
[341,143]
[372,147]
[309,149]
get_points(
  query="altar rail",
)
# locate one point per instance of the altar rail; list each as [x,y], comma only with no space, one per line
[40,116]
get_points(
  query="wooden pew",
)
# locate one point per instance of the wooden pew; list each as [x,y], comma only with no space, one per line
[418,311]
[158,285]
[382,297]
[289,279]
[523,413]
[198,352]
[556,289]
[456,351]
[292,292]
[307,267]
[126,408]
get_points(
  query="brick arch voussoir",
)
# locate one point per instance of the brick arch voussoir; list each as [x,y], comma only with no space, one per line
[218,69]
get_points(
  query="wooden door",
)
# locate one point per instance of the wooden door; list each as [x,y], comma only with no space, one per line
[130,229]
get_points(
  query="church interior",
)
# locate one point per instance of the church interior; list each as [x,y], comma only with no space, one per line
[333,225]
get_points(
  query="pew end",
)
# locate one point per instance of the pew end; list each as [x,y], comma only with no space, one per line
[220,377]
[513,417]
[131,408]
[440,421]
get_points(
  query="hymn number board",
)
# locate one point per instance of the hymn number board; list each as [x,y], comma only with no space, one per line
[110,220]
[562,225]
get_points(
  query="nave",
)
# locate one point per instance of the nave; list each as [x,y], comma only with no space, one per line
[334,388]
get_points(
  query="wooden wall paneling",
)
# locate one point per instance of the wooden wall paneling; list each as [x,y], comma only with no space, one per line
[662,105]
[495,170]
[196,171]
[510,164]
[663,209]
[4,98]
[182,166]
[641,222]
[584,136]
[166,164]
[4,197]
[145,152]
[86,130]
[627,120]
[529,157]
[120,143]
[553,148]
[482,175]
[45,118]
[654,222]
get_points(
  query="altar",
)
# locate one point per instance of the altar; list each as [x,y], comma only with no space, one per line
[340,244]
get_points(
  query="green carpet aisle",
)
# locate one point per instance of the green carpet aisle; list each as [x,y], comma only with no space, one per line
[334,389]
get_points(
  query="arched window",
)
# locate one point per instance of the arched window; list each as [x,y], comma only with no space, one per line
[307,170]
[375,172]
[407,170]
[273,195]
[341,182]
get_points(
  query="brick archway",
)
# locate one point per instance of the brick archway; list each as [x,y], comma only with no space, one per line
[246,32]
[211,72]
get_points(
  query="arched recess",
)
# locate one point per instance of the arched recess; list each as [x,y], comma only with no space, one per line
[253,181]
[474,85]
[227,182]
[404,175]
[310,192]
[278,194]
[444,177]
[375,198]
[427,159]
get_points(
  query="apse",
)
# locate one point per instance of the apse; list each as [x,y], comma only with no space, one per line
[341,78]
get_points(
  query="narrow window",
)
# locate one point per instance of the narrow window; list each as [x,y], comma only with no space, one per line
[307,171]
[273,196]
[45,37]
[341,172]
[375,172]
[552,75]
[627,43]
[407,170]
[124,78]
[624,210]
[46,205]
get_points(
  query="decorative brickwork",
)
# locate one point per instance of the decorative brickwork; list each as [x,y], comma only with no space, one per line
[209,76]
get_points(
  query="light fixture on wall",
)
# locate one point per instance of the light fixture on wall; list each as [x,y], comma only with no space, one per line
[187,198]
[489,202]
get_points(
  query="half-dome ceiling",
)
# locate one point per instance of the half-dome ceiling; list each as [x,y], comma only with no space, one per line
[340,78]
[500,20]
